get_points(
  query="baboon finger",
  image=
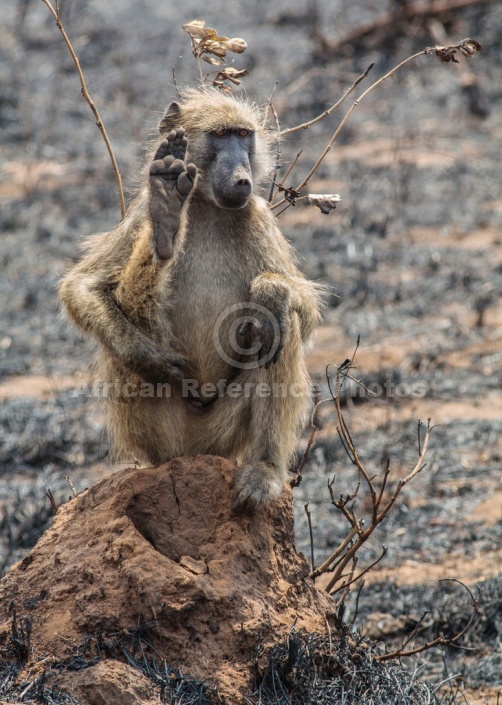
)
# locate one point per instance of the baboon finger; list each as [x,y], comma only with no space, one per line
[178,165]
[184,184]
[192,171]
[163,243]
[163,149]
[158,188]
[179,135]
[160,166]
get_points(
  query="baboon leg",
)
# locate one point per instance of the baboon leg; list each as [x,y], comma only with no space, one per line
[279,400]
[171,181]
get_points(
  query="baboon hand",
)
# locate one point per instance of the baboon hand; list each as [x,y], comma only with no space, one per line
[171,182]
[263,336]
[168,171]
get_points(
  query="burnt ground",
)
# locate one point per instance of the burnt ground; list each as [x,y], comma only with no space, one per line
[413,258]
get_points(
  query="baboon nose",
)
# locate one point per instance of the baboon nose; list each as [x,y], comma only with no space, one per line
[243,186]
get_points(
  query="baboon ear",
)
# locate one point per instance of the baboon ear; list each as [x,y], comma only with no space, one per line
[171,118]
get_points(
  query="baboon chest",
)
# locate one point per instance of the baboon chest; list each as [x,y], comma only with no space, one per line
[209,281]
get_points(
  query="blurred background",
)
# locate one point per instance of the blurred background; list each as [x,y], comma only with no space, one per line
[412,256]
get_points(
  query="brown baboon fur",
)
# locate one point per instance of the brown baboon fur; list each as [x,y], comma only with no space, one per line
[148,312]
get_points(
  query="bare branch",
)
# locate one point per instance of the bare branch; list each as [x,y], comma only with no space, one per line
[324,568]
[349,90]
[278,152]
[176,83]
[358,534]
[345,587]
[85,93]
[440,640]
[72,486]
[309,519]
[269,103]
[290,169]
[408,11]
[363,572]
[468,47]
[51,499]
[295,482]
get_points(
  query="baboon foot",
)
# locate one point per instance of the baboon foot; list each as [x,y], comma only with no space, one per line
[171,181]
[255,484]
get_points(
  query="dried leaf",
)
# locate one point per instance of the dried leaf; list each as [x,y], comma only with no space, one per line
[236,44]
[193,24]
[232,71]
[326,202]
[469,47]
[231,74]
[195,28]
[446,54]
[210,60]
[214,48]
[222,86]
[212,33]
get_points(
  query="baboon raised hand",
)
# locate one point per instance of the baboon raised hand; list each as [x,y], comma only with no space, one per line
[170,183]
[200,310]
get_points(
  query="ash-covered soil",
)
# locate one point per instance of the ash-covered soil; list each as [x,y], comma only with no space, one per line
[413,258]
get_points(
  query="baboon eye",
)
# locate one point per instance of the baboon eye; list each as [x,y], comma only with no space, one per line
[244,133]
[221,133]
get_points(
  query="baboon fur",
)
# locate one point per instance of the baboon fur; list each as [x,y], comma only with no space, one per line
[154,316]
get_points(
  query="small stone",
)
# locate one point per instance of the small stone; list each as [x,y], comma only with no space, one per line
[194,566]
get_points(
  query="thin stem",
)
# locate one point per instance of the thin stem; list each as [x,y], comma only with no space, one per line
[269,103]
[349,90]
[347,115]
[325,566]
[290,168]
[313,428]
[85,93]
[278,152]
[351,110]
[311,535]
[175,83]
[360,575]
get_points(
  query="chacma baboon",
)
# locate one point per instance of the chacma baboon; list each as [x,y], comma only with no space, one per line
[199,308]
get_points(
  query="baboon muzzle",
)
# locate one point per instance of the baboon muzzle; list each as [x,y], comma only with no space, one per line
[232,181]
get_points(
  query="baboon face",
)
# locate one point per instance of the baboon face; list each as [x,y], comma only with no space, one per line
[229,176]
[226,142]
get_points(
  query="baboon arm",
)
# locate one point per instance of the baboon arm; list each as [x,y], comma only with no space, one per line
[275,290]
[92,307]
[91,295]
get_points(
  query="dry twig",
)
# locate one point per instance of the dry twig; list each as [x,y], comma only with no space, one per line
[444,53]
[440,640]
[306,125]
[295,482]
[346,553]
[309,519]
[209,46]
[55,13]
[51,499]
[389,21]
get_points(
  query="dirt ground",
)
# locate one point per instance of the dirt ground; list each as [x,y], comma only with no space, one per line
[412,257]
